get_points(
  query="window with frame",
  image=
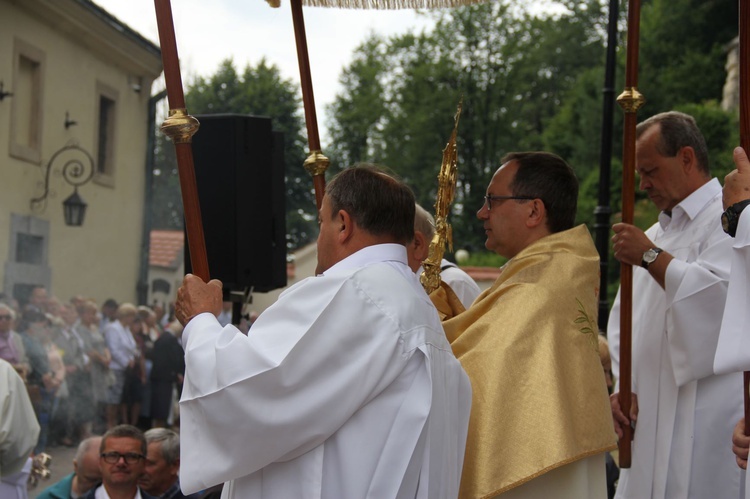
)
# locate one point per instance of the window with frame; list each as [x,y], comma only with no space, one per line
[105,134]
[27,103]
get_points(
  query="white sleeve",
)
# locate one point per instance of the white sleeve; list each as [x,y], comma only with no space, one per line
[613,338]
[733,350]
[696,293]
[18,425]
[309,363]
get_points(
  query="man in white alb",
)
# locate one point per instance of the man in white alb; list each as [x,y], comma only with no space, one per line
[733,352]
[346,387]
[684,411]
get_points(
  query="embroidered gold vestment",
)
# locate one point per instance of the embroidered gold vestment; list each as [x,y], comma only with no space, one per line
[529,345]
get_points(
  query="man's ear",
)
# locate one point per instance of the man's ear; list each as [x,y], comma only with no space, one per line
[687,158]
[537,213]
[421,246]
[346,226]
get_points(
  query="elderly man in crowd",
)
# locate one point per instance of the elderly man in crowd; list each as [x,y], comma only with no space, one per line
[86,474]
[161,475]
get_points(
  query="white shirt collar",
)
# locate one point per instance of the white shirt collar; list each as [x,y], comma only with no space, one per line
[691,206]
[101,493]
[368,255]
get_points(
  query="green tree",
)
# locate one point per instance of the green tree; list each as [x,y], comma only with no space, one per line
[512,69]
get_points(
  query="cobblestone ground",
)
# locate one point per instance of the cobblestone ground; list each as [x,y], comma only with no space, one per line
[62,464]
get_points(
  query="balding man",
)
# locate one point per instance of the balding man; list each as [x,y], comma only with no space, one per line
[346,387]
[86,474]
[460,282]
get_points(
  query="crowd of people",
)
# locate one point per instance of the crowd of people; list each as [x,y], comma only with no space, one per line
[356,383]
[89,368]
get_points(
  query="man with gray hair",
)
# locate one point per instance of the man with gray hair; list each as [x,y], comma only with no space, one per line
[86,474]
[684,410]
[161,475]
[460,282]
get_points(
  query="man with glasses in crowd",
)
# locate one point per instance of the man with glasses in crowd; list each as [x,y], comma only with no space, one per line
[122,460]
[529,343]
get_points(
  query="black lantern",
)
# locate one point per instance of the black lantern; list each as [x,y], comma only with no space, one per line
[74,208]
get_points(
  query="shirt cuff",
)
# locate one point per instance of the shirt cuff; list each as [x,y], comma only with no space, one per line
[205,319]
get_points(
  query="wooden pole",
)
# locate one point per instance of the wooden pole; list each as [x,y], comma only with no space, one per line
[316,163]
[744,50]
[181,127]
[630,100]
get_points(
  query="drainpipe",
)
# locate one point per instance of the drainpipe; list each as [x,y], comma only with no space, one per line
[142,285]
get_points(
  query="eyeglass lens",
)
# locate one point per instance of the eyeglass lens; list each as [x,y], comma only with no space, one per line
[114,457]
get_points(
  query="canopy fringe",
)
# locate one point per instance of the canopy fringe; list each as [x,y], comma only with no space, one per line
[389,4]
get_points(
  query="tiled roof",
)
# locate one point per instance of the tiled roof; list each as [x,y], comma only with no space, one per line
[166,248]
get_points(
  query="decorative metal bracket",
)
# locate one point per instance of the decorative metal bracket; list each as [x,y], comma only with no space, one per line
[77,168]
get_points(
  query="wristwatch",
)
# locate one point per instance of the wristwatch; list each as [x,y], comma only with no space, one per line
[649,256]
[730,217]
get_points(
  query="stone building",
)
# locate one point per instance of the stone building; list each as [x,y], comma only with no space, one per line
[73,110]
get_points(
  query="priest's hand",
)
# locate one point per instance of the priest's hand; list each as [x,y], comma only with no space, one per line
[196,297]
[737,182]
[619,417]
[740,444]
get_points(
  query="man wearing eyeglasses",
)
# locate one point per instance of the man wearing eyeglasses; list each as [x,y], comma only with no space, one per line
[529,344]
[122,461]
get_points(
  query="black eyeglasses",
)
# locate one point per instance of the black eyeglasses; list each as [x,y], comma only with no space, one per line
[4,317]
[489,198]
[114,457]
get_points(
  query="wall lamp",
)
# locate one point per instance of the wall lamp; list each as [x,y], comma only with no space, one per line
[3,93]
[77,168]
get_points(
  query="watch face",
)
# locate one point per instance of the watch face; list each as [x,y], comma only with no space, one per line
[725,221]
[649,256]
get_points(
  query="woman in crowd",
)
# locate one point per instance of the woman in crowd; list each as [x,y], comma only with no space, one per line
[96,348]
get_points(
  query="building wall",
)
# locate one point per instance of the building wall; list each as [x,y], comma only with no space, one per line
[83,53]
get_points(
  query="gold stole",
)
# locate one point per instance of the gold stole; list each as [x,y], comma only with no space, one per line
[529,346]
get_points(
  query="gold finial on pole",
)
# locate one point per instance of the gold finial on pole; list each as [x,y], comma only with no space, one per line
[180,126]
[447,177]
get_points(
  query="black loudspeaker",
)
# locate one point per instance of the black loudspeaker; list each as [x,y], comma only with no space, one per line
[239,170]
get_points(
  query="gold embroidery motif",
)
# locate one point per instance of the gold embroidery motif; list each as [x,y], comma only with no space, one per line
[587,326]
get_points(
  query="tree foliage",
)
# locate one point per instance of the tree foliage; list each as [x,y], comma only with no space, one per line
[510,67]
[529,82]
